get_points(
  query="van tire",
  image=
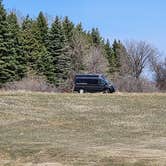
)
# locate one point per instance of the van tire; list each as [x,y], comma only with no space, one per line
[107,91]
[112,90]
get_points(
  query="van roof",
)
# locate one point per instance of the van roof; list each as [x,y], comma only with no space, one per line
[88,75]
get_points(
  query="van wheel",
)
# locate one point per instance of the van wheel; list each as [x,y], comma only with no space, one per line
[112,90]
[81,91]
[106,91]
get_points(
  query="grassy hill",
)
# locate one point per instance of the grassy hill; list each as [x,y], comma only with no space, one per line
[88,129]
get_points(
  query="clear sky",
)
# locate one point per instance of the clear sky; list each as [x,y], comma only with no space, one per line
[120,19]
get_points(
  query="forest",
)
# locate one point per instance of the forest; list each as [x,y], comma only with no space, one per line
[42,56]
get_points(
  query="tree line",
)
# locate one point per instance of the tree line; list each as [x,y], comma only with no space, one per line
[60,50]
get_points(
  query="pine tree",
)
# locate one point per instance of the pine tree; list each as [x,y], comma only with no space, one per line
[116,55]
[79,28]
[96,38]
[42,28]
[113,56]
[75,41]
[122,59]
[117,48]
[5,74]
[41,35]
[68,27]
[109,53]
[31,44]
[9,64]
[58,57]
[15,38]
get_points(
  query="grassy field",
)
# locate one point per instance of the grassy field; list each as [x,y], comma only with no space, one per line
[90,129]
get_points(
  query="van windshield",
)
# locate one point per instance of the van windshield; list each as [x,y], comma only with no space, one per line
[107,82]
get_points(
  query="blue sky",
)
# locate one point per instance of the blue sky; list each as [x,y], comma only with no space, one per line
[121,19]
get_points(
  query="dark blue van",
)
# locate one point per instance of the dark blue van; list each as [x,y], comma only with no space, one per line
[92,83]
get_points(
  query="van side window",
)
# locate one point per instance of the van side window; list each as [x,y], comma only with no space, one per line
[80,81]
[87,81]
[92,81]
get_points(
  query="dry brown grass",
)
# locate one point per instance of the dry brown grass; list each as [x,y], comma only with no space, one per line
[90,129]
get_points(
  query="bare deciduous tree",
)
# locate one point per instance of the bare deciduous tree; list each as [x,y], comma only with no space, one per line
[78,51]
[95,60]
[159,69]
[131,84]
[134,58]
[138,54]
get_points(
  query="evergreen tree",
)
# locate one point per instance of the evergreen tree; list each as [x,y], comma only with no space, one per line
[75,38]
[109,56]
[58,57]
[42,28]
[68,27]
[96,38]
[15,38]
[79,27]
[5,74]
[41,35]
[113,56]
[10,68]
[31,45]
[117,53]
